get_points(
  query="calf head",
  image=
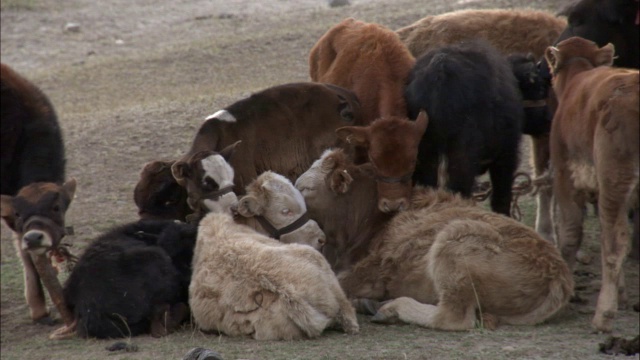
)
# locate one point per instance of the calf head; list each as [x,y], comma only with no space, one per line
[158,195]
[392,148]
[207,175]
[578,49]
[534,86]
[36,214]
[281,211]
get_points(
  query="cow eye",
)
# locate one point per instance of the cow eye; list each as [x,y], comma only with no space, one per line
[286,211]
[16,215]
[56,208]
[209,184]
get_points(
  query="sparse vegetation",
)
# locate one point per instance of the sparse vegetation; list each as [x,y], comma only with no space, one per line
[123,105]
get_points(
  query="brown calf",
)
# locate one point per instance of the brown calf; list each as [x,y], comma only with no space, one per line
[36,216]
[368,59]
[392,146]
[595,152]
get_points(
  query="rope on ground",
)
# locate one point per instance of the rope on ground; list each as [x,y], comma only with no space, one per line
[521,187]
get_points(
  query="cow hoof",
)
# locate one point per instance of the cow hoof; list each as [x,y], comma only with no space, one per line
[385,317]
[46,320]
[584,258]
[199,353]
[366,306]
[65,332]
[122,345]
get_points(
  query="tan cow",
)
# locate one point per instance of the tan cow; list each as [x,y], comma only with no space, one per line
[443,260]
[245,283]
[368,59]
[595,152]
[510,31]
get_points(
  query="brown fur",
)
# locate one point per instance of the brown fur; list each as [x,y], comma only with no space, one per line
[368,59]
[392,148]
[245,283]
[595,150]
[158,195]
[36,217]
[442,259]
[510,31]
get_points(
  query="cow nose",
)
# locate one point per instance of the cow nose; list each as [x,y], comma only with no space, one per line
[33,239]
[387,205]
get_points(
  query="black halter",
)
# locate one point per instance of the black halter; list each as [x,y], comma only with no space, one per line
[216,194]
[394,180]
[276,233]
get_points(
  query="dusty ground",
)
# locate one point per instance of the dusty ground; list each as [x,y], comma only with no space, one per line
[135,83]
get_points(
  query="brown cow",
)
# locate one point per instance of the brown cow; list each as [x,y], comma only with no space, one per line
[392,147]
[510,31]
[36,216]
[368,59]
[282,129]
[158,195]
[442,259]
[595,152]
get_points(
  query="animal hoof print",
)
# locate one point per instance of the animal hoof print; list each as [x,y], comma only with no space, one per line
[199,353]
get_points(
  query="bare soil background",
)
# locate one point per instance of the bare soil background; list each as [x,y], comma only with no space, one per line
[135,83]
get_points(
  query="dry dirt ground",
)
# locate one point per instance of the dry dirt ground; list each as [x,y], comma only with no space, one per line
[135,83]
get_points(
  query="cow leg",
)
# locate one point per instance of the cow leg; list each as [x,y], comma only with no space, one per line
[167,318]
[426,172]
[568,215]
[444,316]
[540,159]
[635,240]
[461,172]
[501,174]
[33,291]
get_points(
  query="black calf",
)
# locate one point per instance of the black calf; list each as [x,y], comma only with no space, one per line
[133,280]
[475,118]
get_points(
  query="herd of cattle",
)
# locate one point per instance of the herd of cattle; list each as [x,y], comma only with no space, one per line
[305,203]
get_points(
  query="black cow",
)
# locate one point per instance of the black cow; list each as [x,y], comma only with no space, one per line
[534,90]
[133,280]
[31,140]
[475,118]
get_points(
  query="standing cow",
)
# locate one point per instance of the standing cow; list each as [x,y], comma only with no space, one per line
[32,152]
[368,59]
[595,152]
[475,118]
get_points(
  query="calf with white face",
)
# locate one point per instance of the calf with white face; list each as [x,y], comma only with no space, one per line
[274,207]
[207,175]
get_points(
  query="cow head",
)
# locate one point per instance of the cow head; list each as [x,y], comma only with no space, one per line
[578,49]
[534,86]
[606,21]
[207,175]
[392,148]
[158,195]
[281,210]
[36,214]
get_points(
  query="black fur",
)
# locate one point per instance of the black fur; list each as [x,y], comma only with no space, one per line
[31,140]
[128,274]
[475,118]
[533,87]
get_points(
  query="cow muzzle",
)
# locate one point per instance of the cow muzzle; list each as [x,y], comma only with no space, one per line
[41,234]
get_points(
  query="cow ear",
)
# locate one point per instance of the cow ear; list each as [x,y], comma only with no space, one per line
[7,212]
[345,109]
[421,124]
[553,58]
[605,55]
[70,188]
[249,206]
[180,170]
[228,152]
[340,181]
[354,135]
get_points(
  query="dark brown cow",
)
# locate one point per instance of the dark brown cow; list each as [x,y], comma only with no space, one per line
[282,129]
[367,58]
[36,216]
[443,260]
[392,148]
[595,152]
[158,195]
[32,152]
